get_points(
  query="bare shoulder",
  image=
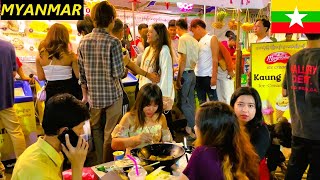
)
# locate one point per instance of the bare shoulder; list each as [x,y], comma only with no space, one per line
[214,38]
[68,58]
[127,119]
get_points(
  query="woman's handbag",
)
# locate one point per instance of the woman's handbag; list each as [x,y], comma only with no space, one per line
[222,64]
[42,94]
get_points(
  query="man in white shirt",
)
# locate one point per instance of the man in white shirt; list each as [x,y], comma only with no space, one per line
[142,30]
[188,49]
[174,39]
[206,68]
[260,29]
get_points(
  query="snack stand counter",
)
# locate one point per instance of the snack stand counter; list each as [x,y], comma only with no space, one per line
[129,84]
[25,111]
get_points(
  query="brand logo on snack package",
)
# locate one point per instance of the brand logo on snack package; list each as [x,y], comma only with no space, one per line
[277,57]
[41,9]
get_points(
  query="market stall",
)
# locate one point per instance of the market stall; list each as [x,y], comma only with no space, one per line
[25,111]
[26,35]
[268,69]
[237,4]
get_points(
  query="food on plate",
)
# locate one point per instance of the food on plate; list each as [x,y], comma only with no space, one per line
[123,163]
[160,158]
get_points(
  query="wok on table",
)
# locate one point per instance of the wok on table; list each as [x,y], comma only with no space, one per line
[166,154]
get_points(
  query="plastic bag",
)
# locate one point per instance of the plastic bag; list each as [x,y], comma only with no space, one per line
[42,94]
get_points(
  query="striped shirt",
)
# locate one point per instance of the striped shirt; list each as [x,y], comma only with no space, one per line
[101,67]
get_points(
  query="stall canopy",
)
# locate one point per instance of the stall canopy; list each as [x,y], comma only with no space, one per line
[239,4]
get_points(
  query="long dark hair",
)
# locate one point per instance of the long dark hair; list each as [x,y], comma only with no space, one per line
[147,94]
[163,39]
[258,117]
[144,38]
[219,128]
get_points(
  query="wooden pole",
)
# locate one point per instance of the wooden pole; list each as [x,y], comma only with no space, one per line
[133,23]
[204,13]
[215,18]
[239,54]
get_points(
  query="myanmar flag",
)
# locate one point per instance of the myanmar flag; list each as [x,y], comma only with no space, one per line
[296,16]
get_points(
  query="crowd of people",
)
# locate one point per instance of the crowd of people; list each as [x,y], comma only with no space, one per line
[232,141]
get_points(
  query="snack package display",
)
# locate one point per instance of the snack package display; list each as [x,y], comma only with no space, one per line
[267,111]
[282,104]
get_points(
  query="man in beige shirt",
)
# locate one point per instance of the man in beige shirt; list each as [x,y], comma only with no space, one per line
[188,49]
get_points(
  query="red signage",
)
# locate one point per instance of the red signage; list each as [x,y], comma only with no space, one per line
[277,57]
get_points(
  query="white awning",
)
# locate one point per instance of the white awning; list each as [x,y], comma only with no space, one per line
[242,4]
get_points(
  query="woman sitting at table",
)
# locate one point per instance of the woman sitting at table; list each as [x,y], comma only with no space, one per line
[247,105]
[145,123]
[223,148]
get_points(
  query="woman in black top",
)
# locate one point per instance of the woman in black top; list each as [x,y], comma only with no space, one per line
[247,106]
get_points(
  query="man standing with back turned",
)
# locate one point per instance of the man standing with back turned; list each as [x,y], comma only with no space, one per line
[188,49]
[101,70]
[302,85]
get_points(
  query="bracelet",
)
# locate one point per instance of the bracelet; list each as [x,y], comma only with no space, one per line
[145,75]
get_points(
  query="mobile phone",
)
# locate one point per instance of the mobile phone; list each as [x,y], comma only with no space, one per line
[73,137]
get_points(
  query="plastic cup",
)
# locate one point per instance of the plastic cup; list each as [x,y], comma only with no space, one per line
[118,155]
[142,174]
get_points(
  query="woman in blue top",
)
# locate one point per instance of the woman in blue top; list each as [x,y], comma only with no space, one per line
[223,148]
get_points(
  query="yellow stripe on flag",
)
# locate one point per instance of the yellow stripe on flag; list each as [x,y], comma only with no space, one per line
[303,5]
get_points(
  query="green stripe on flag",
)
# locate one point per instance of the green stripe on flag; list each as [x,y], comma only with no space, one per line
[280,16]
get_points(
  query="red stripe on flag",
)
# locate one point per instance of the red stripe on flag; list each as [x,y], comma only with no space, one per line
[296,28]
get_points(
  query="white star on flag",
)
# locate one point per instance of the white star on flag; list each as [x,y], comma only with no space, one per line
[296,17]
